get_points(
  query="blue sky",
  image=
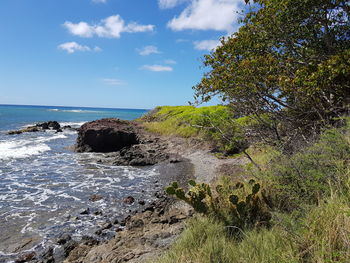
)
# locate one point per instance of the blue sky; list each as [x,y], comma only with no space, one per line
[108,53]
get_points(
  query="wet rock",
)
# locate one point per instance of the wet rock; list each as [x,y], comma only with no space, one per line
[26,257]
[47,256]
[89,241]
[84,211]
[106,225]
[69,246]
[142,202]
[129,200]
[14,132]
[54,125]
[98,213]
[106,135]
[95,197]
[63,239]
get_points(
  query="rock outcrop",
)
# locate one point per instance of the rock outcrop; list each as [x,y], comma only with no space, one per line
[49,125]
[143,236]
[125,142]
[106,135]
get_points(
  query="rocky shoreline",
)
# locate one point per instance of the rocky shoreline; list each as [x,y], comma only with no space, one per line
[150,228]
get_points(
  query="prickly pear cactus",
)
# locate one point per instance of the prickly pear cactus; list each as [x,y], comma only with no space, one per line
[237,205]
[195,196]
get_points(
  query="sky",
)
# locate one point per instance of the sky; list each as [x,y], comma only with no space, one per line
[108,53]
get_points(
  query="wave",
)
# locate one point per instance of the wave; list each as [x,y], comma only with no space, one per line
[19,149]
[73,124]
[75,111]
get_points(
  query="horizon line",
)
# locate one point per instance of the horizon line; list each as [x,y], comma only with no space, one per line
[89,107]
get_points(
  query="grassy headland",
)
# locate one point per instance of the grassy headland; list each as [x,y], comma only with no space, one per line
[306,193]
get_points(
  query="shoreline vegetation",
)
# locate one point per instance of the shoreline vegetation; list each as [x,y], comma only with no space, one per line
[306,194]
[299,213]
[268,174]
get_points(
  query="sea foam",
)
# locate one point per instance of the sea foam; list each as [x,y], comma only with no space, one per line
[21,149]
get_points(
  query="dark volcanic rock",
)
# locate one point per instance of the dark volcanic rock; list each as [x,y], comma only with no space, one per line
[54,125]
[25,257]
[106,135]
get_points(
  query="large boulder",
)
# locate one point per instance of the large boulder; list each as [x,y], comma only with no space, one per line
[106,135]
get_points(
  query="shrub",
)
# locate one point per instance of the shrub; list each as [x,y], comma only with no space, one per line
[312,174]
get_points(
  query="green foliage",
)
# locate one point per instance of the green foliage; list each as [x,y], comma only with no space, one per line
[290,60]
[314,173]
[182,120]
[205,241]
[214,123]
[198,195]
[325,235]
[238,205]
[312,226]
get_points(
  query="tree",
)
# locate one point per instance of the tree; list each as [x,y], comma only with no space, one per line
[290,60]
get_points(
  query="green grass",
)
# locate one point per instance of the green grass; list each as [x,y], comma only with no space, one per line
[216,124]
[182,120]
[205,241]
[312,225]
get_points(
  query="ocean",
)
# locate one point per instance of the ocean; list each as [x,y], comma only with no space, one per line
[45,187]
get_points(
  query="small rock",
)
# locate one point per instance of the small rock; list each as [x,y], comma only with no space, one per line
[84,211]
[69,246]
[95,197]
[25,257]
[129,200]
[142,202]
[47,256]
[54,125]
[63,239]
[119,229]
[106,225]
[98,213]
[14,132]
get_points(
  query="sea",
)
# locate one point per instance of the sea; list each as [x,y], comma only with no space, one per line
[46,188]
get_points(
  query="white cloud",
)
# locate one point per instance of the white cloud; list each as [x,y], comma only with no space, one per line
[110,27]
[97,49]
[206,44]
[72,47]
[99,1]
[157,68]
[148,50]
[219,15]
[170,62]
[164,4]
[113,82]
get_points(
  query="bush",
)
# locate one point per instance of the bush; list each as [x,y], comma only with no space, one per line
[312,174]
